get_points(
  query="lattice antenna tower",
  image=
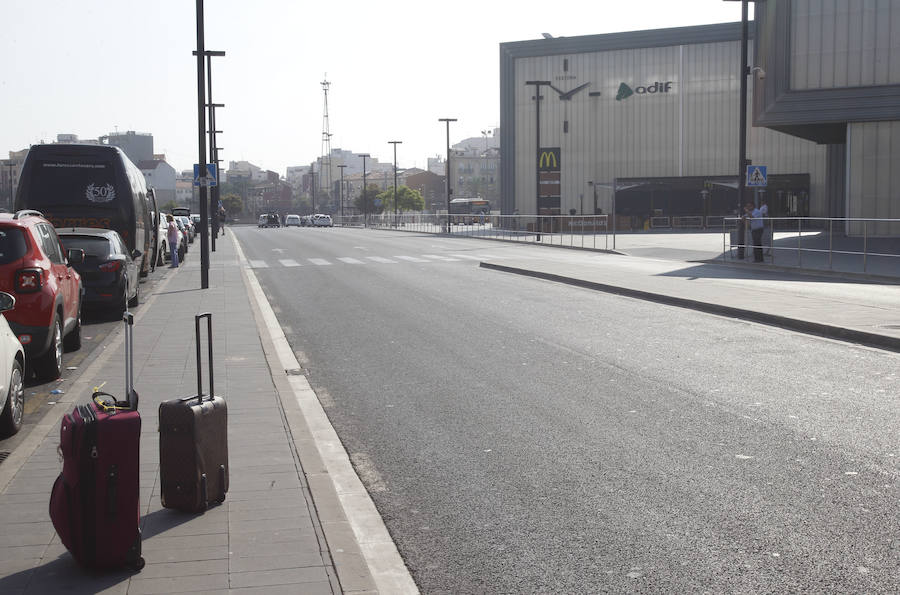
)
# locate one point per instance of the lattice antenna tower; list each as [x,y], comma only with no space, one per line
[325,180]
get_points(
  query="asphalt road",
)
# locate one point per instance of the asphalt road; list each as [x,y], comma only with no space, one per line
[522,436]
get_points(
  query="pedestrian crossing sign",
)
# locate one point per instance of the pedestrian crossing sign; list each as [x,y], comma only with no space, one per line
[756,176]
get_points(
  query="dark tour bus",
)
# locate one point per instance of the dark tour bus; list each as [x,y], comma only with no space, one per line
[89,186]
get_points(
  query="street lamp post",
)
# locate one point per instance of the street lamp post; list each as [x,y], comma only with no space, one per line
[201,141]
[341,167]
[365,195]
[537,128]
[396,216]
[742,133]
[447,172]
[9,176]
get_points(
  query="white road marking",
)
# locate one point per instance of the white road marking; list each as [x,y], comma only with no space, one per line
[350,260]
[319,261]
[258,264]
[467,256]
[441,258]
[412,258]
[289,262]
[382,259]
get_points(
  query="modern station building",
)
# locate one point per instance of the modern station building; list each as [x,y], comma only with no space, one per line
[647,122]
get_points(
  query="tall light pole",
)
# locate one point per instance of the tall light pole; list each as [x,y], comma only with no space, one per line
[449,191]
[396,216]
[537,150]
[342,166]
[201,141]
[365,195]
[744,72]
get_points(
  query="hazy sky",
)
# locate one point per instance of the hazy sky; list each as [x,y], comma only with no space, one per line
[90,67]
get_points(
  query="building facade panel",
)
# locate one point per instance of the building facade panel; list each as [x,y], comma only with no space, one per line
[874,156]
[659,111]
[844,43]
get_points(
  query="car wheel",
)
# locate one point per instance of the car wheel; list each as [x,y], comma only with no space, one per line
[162,256]
[137,297]
[72,342]
[14,411]
[49,366]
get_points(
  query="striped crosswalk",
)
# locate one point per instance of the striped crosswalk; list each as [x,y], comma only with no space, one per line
[364,260]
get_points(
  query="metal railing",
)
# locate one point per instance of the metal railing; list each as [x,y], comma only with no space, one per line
[575,231]
[844,244]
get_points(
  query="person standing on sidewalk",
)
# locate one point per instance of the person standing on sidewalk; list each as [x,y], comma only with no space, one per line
[742,231]
[172,232]
[756,230]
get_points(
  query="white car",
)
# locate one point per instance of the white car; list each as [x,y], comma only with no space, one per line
[292,220]
[322,221]
[12,362]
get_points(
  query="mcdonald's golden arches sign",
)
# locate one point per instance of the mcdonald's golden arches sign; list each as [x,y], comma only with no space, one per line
[549,159]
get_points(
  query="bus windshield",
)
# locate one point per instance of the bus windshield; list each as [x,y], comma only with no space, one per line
[81,182]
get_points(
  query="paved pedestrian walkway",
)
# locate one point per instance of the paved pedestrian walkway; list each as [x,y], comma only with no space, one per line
[270,535]
[852,309]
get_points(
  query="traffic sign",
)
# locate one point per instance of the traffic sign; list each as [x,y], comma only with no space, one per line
[209,179]
[756,176]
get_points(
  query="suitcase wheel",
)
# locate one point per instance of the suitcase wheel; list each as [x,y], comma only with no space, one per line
[138,564]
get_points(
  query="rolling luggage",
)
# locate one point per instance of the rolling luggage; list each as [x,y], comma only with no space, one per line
[193,442]
[95,501]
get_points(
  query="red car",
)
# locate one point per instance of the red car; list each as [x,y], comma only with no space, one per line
[37,271]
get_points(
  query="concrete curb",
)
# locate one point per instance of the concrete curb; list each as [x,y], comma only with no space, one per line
[803,326]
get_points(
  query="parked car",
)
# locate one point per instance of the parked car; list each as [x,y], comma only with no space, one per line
[12,362]
[182,240]
[39,274]
[188,226]
[162,253]
[292,220]
[269,220]
[321,220]
[109,274]
[306,220]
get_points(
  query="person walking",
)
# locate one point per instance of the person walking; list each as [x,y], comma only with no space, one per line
[756,230]
[172,232]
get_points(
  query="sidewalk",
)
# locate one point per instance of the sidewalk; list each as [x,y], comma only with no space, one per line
[855,310]
[270,536]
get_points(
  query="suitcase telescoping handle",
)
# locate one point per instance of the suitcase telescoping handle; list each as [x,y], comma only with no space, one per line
[208,317]
[130,396]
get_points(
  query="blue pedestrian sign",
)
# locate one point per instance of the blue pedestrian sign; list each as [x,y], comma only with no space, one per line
[756,176]
[209,179]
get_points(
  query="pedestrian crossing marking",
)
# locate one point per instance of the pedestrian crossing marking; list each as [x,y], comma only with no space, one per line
[412,259]
[422,258]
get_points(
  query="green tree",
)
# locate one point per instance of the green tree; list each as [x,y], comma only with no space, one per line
[233,204]
[407,199]
[370,195]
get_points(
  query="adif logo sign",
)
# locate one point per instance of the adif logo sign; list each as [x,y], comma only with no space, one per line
[658,87]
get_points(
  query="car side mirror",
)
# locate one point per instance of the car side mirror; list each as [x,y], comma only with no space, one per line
[75,256]
[7,302]
[135,254]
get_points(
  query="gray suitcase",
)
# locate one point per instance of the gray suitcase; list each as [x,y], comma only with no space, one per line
[193,443]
